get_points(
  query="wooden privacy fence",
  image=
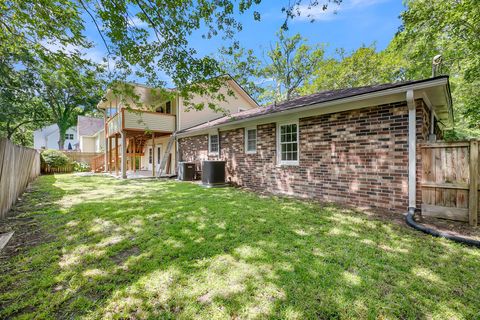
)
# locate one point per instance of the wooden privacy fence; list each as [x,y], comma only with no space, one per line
[63,169]
[450,180]
[18,166]
[78,156]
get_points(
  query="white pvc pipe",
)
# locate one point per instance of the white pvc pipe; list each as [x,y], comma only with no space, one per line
[412,150]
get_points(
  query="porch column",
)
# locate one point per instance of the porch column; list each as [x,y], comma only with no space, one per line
[153,154]
[109,155]
[124,154]
[134,156]
[116,154]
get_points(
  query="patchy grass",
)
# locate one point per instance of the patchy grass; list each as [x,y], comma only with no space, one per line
[151,249]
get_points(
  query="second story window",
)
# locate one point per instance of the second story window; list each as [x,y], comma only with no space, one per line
[168,107]
[69,136]
[213,143]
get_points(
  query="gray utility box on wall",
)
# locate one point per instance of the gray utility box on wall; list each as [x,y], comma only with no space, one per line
[213,173]
[186,171]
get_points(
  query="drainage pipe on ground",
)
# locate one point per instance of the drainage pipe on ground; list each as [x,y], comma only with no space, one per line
[412,223]
[412,180]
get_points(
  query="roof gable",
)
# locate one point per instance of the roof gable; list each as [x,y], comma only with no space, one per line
[88,126]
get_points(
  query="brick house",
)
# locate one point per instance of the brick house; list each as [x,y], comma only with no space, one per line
[354,146]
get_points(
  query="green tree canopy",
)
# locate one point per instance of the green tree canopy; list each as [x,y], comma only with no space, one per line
[146,38]
[450,28]
[21,109]
[290,62]
[67,94]
[364,66]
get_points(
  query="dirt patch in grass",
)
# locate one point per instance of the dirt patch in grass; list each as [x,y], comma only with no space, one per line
[122,256]
[456,228]
[28,230]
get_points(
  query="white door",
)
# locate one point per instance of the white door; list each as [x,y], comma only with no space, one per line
[150,158]
[158,156]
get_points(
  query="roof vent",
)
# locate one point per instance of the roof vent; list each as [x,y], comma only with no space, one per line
[436,62]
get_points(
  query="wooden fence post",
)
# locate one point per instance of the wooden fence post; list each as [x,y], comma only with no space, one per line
[473,191]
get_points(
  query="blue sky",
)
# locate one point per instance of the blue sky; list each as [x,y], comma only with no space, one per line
[353,23]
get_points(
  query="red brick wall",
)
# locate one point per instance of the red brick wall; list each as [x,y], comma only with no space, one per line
[357,157]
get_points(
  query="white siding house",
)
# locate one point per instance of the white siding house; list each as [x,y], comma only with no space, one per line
[241,101]
[47,138]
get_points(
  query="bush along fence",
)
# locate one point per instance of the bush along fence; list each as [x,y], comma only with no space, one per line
[18,166]
[55,161]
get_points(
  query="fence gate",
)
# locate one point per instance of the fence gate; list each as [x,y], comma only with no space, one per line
[450,176]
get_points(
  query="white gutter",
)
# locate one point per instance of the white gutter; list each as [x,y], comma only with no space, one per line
[412,151]
[375,94]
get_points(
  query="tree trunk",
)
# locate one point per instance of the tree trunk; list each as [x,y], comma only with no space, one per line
[61,136]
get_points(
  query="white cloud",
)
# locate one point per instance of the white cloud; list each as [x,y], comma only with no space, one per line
[333,10]
[136,22]
[55,46]
[95,54]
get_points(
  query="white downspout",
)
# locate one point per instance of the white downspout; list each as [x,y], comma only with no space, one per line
[412,151]
[219,157]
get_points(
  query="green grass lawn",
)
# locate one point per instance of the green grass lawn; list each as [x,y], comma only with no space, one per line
[151,249]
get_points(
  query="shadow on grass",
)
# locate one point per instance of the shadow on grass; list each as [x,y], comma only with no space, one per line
[149,249]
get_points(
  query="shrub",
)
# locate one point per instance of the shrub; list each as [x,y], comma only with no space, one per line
[54,158]
[81,166]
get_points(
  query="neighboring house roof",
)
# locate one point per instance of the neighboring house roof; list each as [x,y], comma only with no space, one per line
[48,130]
[89,126]
[305,101]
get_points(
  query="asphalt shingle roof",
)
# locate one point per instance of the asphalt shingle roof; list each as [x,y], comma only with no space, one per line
[319,97]
[88,126]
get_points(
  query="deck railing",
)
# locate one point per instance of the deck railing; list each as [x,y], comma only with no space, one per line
[135,120]
[114,124]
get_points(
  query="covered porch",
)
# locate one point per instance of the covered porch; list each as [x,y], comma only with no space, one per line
[133,154]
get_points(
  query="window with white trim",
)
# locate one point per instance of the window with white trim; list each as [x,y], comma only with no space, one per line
[213,143]
[251,140]
[288,143]
[68,136]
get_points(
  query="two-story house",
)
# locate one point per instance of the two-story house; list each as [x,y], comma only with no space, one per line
[140,132]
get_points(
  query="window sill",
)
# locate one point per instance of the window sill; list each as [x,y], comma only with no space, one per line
[288,164]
